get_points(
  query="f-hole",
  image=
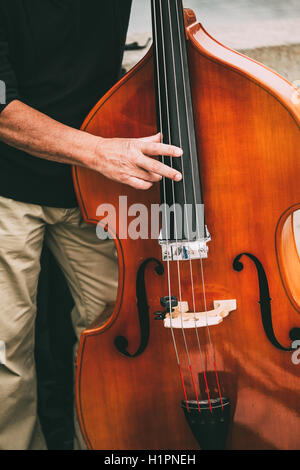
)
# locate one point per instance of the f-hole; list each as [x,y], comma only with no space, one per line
[264,300]
[121,343]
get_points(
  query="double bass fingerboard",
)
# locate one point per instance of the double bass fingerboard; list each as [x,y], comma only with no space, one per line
[175,114]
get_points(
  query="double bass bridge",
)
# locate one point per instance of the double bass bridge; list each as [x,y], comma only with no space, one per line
[181,317]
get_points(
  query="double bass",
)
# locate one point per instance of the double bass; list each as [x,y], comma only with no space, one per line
[199,350]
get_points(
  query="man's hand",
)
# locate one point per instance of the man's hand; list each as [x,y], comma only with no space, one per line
[125,160]
[129,161]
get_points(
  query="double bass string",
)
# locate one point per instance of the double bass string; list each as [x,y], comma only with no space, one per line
[201,262]
[198,225]
[173,195]
[165,199]
[197,220]
[185,207]
[175,216]
[176,229]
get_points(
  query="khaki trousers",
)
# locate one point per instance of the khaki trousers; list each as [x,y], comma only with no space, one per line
[90,268]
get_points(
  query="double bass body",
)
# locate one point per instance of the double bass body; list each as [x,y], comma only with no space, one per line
[247,129]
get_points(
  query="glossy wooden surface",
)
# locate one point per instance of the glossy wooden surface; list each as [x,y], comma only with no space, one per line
[247,124]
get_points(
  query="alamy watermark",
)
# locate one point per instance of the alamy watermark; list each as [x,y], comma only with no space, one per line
[2,92]
[296,353]
[141,222]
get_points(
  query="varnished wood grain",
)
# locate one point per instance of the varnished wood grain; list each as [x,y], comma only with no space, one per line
[247,125]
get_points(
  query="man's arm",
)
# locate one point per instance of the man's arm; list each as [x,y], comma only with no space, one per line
[124,160]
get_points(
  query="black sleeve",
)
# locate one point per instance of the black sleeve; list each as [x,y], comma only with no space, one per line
[8,81]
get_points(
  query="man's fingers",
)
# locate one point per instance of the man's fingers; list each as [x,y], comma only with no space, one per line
[156,149]
[146,175]
[154,166]
[138,183]
[152,138]
[153,149]
[132,157]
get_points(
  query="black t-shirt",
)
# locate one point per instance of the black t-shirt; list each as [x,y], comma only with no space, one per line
[60,57]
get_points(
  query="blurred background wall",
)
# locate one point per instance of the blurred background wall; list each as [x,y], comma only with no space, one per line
[267,30]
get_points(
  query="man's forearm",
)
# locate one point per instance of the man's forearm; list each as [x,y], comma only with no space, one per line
[127,161]
[29,130]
